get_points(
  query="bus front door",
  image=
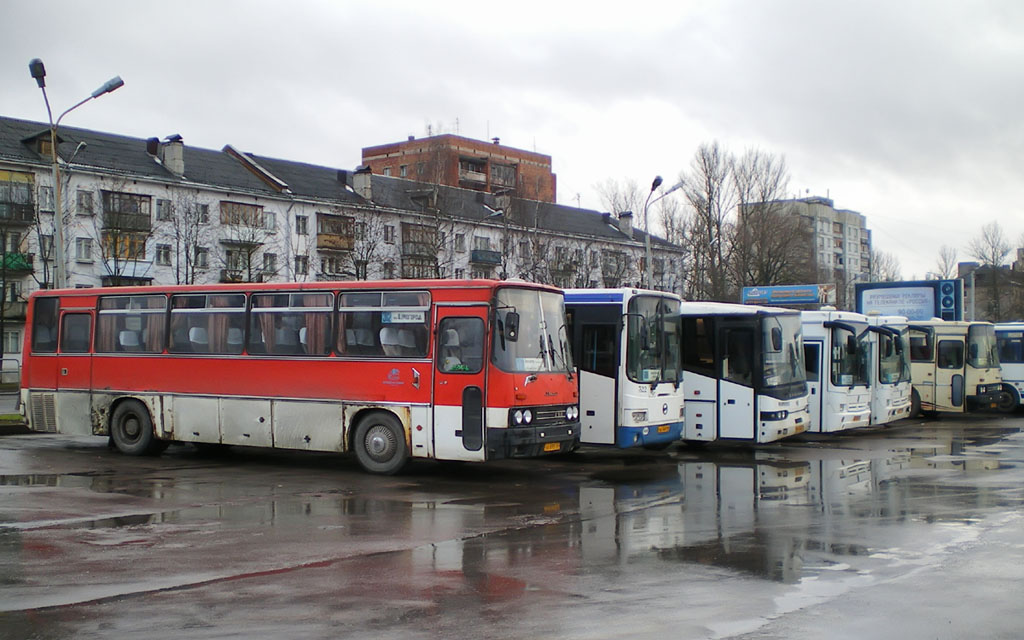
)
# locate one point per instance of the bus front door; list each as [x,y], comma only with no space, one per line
[949,374]
[460,372]
[74,373]
[812,361]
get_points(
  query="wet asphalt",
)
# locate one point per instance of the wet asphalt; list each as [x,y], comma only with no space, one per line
[908,531]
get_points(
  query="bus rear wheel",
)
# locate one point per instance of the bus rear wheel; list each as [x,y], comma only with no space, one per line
[1008,402]
[380,444]
[131,428]
[915,403]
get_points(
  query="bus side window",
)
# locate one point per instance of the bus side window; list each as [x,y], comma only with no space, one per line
[75,332]
[920,347]
[44,325]
[951,354]
[461,347]
[812,361]
[739,344]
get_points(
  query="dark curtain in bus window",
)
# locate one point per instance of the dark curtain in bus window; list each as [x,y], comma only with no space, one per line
[75,331]
[44,325]
[317,324]
[739,357]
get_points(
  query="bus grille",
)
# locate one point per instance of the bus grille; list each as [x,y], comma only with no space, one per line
[548,415]
[44,414]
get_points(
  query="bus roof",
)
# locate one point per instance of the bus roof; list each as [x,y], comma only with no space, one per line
[694,308]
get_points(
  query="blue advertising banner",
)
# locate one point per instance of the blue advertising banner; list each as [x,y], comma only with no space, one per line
[790,294]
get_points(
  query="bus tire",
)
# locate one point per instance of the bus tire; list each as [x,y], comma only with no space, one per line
[131,428]
[380,444]
[915,403]
[1008,400]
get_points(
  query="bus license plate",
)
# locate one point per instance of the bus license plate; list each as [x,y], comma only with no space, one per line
[663,429]
[552,446]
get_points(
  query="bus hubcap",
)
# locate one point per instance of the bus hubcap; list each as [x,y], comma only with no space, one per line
[131,428]
[380,442]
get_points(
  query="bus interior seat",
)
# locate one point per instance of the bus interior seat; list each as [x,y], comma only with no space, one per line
[128,340]
[359,341]
[286,340]
[407,342]
[451,350]
[302,340]
[390,342]
[235,337]
[198,338]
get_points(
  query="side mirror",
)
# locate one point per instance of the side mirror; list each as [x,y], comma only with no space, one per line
[776,339]
[974,351]
[512,326]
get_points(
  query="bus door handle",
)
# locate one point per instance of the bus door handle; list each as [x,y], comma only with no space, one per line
[64,371]
[416,378]
[731,401]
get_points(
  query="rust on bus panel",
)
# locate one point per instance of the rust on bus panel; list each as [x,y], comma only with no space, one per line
[354,412]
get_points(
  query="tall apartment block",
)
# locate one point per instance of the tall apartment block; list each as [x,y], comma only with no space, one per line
[455,161]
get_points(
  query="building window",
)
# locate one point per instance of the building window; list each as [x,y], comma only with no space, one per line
[244,215]
[360,230]
[204,214]
[361,269]
[482,243]
[302,225]
[269,220]
[389,270]
[332,264]
[12,291]
[83,202]
[13,242]
[460,274]
[163,254]
[301,265]
[837,228]
[83,249]
[12,341]
[460,242]
[46,198]
[481,274]
[269,263]
[202,260]
[163,209]
[403,170]
[124,246]
[389,233]
[387,171]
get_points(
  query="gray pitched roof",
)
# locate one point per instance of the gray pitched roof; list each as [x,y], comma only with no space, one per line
[123,155]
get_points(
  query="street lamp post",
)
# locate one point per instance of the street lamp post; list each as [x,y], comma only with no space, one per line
[38,72]
[647,227]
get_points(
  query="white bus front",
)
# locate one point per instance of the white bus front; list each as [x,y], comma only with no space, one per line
[890,368]
[1010,343]
[835,352]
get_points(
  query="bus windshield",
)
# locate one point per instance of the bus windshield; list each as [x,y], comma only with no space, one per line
[981,346]
[848,366]
[542,344]
[654,331]
[893,358]
[783,356]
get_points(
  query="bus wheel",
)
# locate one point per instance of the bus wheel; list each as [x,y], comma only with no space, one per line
[132,430]
[915,403]
[380,444]
[1008,402]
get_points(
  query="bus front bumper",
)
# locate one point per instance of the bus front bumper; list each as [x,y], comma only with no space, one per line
[987,396]
[532,441]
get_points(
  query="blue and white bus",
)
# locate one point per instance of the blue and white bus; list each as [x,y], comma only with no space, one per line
[1010,343]
[744,374]
[626,347]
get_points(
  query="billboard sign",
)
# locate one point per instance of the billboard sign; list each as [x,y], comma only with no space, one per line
[917,300]
[790,294]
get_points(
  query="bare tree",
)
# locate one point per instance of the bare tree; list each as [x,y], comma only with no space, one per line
[189,228]
[770,246]
[710,193]
[946,263]
[885,267]
[990,247]
[249,254]
[618,197]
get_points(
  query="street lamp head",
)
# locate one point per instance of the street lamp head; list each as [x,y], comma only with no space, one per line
[38,71]
[110,85]
[656,183]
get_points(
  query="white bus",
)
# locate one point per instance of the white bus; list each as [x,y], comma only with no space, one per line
[889,370]
[954,366]
[836,353]
[1010,342]
[743,374]
[625,344]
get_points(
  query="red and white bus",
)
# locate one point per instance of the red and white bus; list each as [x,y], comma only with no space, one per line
[451,370]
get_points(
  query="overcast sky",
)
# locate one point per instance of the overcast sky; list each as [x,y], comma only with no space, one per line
[909,112]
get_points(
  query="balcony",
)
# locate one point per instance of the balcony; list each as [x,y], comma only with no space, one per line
[484,256]
[16,213]
[420,249]
[19,262]
[478,177]
[335,241]
[15,310]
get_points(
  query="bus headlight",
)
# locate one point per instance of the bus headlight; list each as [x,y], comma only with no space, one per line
[527,416]
[572,412]
[774,415]
[518,416]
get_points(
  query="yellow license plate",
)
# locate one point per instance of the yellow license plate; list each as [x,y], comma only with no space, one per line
[663,429]
[552,446]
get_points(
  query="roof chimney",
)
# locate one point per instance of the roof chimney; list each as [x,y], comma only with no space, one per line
[626,223]
[172,154]
[362,182]
[496,140]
